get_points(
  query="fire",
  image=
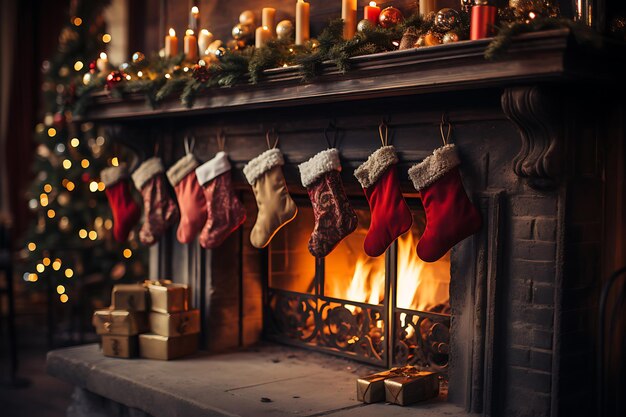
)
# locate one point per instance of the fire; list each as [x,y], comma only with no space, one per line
[420,286]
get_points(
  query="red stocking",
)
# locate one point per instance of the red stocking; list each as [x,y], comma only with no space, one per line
[334,217]
[450,215]
[125,210]
[190,198]
[225,213]
[391,216]
[160,210]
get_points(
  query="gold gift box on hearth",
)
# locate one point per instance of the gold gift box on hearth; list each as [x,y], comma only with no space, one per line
[119,322]
[132,297]
[371,388]
[119,346]
[411,387]
[175,324]
[169,298]
[154,346]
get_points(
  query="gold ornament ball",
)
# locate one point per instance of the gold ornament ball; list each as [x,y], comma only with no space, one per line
[390,17]
[312,43]
[446,19]
[138,57]
[246,18]
[364,25]
[450,37]
[240,32]
[284,29]
[466,5]
[236,44]
[431,39]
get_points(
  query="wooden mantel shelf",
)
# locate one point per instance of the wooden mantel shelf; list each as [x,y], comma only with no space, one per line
[550,56]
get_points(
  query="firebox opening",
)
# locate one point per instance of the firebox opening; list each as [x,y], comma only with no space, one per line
[387,311]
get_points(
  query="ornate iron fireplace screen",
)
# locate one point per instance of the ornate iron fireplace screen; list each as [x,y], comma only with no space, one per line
[358,330]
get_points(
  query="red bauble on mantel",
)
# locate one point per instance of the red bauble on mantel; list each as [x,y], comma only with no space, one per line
[115,78]
[390,17]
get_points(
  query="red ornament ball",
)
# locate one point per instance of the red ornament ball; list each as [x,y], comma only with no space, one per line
[92,67]
[115,78]
[201,73]
[390,17]
[85,177]
[59,120]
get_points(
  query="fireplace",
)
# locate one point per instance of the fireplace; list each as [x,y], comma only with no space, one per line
[387,311]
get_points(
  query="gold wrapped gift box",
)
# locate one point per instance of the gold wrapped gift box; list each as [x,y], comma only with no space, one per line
[175,324]
[119,346]
[169,298]
[411,387]
[133,297]
[154,346]
[371,388]
[119,322]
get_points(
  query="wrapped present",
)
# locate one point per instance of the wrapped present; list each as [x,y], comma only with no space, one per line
[175,324]
[169,298]
[119,346]
[133,297]
[371,388]
[154,346]
[120,322]
[411,387]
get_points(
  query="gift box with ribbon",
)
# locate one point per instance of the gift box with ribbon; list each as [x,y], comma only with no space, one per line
[411,387]
[169,298]
[154,346]
[175,324]
[119,346]
[132,297]
[119,322]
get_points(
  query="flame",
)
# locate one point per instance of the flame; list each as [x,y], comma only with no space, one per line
[420,286]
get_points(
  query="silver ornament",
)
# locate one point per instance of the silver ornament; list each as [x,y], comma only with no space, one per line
[246,18]
[450,37]
[220,52]
[138,57]
[446,19]
[284,29]
[364,25]
[241,32]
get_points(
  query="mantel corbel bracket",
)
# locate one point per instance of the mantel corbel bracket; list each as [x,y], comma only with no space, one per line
[535,112]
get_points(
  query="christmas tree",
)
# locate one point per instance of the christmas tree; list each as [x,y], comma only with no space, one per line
[69,250]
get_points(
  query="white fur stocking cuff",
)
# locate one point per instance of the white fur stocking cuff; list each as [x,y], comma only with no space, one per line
[111,175]
[376,165]
[180,169]
[434,166]
[318,165]
[213,168]
[148,169]
[262,163]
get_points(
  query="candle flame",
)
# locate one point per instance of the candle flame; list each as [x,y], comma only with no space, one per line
[266,28]
[195,11]
[205,32]
[373,3]
[103,55]
[172,32]
[189,32]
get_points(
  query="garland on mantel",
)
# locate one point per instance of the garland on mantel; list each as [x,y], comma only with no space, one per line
[159,78]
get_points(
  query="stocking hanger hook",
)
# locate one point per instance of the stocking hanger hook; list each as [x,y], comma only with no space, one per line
[189,144]
[221,140]
[331,126]
[271,132]
[383,131]
[444,121]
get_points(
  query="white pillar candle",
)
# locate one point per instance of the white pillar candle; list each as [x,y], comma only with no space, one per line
[427,6]
[302,22]
[348,14]
[102,63]
[171,44]
[204,40]
[262,35]
[268,15]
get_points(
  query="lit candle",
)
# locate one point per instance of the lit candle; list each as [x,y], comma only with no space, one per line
[268,15]
[262,35]
[204,40]
[427,6]
[171,44]
[348,14]
[190,44]
[371,13]
[193,18]
[302,22]
[103,62]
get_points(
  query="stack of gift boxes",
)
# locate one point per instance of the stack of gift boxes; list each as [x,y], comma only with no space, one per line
[402,386]
[151,320]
